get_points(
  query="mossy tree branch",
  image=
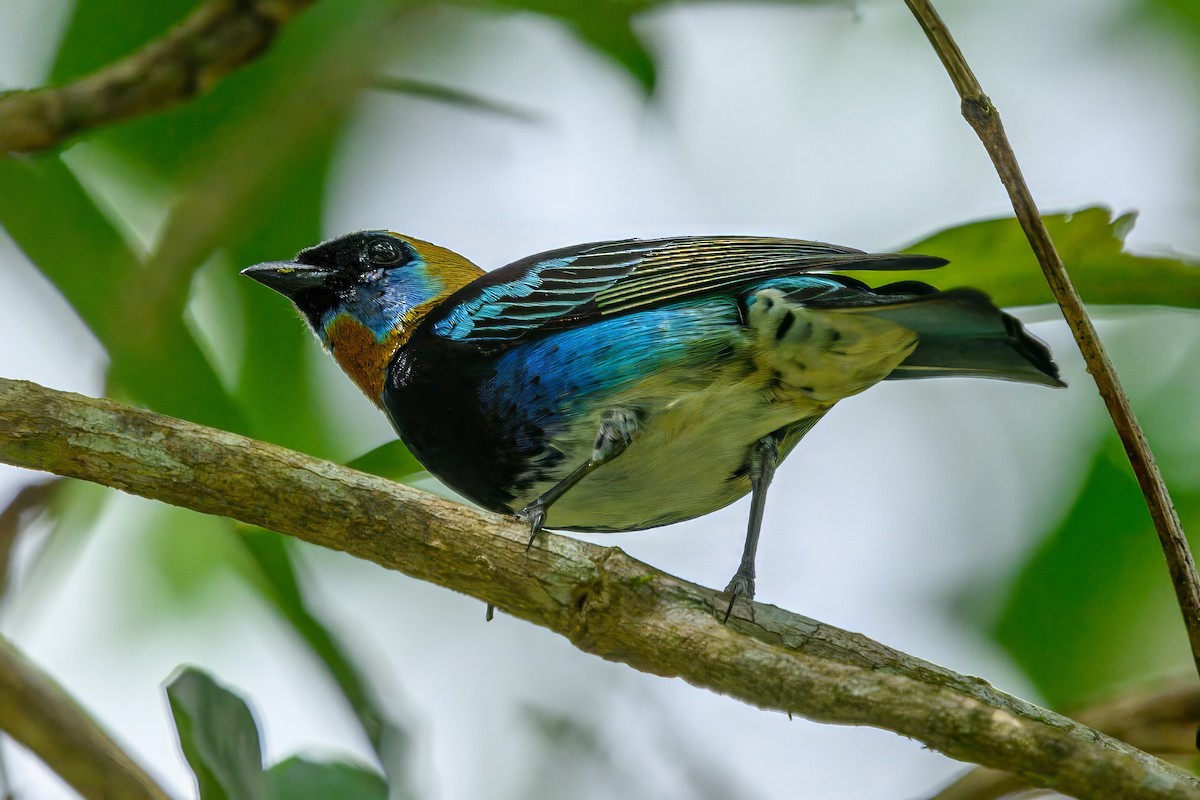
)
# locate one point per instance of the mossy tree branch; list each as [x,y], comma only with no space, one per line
[1160,720]
[605,602]
[217,38]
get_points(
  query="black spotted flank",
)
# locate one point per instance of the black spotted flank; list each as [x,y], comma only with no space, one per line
[789,319]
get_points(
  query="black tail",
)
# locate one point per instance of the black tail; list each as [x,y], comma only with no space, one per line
[962,333]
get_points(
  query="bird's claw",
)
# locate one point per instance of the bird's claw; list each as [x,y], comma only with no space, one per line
[535,515]
[742,585]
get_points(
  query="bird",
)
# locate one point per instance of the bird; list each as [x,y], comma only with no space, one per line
[630,384]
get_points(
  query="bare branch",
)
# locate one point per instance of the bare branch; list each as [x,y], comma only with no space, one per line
[1161,721]
[985,119]
[214,40]
[38,714]
[603,601]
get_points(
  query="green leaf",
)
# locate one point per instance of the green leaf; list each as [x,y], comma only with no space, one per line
[994,256]
[187,552]
[218,736]
[220,740]
[454,97]
[612,35]
[275,384]
[47,212]
[300,779]
[257,183]
[606,27]
[61,229]
[1175,19]
[1093,607]
[391,741]
[256,194]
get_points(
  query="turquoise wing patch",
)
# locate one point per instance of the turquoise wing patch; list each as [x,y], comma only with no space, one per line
[577,285]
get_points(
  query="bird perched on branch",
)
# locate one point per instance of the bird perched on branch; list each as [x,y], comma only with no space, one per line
[616,386]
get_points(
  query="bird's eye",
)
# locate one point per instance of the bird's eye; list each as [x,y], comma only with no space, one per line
[384,252]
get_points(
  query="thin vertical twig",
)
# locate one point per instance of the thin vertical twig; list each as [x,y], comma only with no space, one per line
[985,119]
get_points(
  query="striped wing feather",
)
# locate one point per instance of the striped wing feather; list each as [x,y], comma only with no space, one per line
[577,285]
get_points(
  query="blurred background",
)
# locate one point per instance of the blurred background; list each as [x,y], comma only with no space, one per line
[989,527]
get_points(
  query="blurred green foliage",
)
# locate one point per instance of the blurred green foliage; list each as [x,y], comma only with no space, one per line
[995,256]
[1086,612]
[608,27]
[220,740]
[1173,17]
[244,168]
[218,736]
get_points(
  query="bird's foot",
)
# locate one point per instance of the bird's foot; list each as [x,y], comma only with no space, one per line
[742,585]
[535,515]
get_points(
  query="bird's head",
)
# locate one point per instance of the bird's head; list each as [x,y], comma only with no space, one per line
[363,294]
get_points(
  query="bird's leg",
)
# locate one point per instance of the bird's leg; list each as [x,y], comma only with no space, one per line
[764,457]
[617,429]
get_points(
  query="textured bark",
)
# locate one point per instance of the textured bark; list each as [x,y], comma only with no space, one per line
[1160,720]
[214,40]
[605,602]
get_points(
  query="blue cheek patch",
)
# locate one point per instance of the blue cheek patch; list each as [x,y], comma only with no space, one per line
[385,302]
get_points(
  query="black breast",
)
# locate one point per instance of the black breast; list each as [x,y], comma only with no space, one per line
[432,400]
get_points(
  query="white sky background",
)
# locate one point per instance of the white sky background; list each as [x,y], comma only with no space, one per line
[819,123]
